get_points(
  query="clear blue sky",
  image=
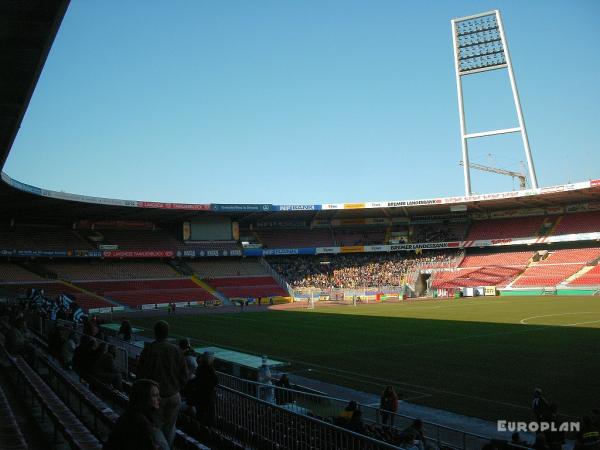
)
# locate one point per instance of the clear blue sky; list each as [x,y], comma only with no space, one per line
[310,101]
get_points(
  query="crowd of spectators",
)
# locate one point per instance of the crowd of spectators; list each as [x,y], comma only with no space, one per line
[438,233]
[355,270]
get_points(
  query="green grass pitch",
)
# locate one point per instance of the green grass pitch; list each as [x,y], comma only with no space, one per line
[480,357]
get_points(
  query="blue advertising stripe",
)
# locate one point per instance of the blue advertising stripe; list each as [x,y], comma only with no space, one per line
[238,207]
[296,207]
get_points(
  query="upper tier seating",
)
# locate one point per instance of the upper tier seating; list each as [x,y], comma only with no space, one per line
[28,237]
[439,232]
[295,238]
[208,245]
[587,222]
[139,292]
[558,266]
[260,286]
[11,272]
[505,228]
[140,239]
[591,278]
[358,236]
[227,267]
[110,270]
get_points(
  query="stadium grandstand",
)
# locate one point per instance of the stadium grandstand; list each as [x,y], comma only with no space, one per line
[71,263]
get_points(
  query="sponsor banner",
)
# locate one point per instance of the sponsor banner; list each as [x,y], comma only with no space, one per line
[458,208]
[182,304]
[279,251]
[332,206]
[87,253]
[238,207]
[424,246]
[403,203]
[108,247]
[354,205]
[138,254]
[296,207]
[352,249]
[42,253]
[186,206]
[574,237]
[377,248]
[595,183]
[208,253]
[327,250]
[376,205]
[281,224]
[149,306]
[489,290]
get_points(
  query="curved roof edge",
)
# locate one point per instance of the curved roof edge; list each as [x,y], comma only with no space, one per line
[251,207]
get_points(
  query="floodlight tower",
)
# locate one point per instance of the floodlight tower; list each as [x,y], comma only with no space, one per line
[479,46]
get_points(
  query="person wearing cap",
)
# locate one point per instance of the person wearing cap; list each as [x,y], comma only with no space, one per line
[164,363]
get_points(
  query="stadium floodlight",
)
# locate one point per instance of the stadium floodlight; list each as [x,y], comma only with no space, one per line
[479,46]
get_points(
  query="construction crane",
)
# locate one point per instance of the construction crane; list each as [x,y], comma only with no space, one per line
[521,176]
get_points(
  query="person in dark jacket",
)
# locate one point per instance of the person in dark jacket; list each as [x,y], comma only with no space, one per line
[125,330]
[164,363]
[201,390]
[137,428]
[388,405]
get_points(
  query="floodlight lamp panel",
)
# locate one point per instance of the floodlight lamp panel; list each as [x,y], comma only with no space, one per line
[479,43]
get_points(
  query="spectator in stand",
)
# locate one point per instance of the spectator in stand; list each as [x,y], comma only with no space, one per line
[106,369]
[89,326]
[138,427]
[17,338]
[588,435]
[540,442]
[347,414]
[388,404]
[125,331]
[516,440]
[283,396]
[416,430]
[191,357]
[68,350]
[539,405]
[79,355]
[164,363]
[200,391]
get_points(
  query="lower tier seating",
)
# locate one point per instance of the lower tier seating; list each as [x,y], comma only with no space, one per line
[261,286]
[139,292]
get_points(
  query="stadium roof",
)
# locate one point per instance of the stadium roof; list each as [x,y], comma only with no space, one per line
[27,31]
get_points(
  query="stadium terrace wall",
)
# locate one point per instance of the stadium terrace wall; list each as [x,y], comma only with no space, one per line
[266,207]
[172,253]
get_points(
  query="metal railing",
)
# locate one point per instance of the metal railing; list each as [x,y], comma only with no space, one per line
[305,402]
[269,426]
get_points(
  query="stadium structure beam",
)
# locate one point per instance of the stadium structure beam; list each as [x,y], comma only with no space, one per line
[480,45]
